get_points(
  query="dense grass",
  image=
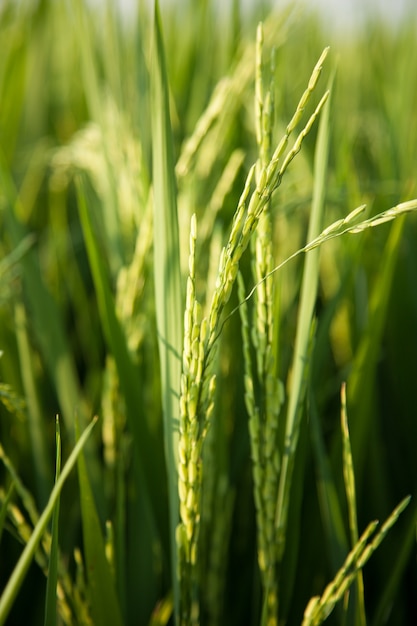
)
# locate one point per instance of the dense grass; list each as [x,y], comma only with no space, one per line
[231,471]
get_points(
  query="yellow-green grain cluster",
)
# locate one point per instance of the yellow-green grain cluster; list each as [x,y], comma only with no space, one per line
[196,403]
[320,607]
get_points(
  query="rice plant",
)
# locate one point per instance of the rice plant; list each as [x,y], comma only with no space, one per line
[207,257]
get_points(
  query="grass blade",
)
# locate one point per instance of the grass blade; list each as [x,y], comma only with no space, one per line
[51,585]
[169,305]
[18,575]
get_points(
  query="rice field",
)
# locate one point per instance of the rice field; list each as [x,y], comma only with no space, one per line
[208,316]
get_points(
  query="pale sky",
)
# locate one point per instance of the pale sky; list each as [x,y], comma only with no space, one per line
[337,13]
[350,11]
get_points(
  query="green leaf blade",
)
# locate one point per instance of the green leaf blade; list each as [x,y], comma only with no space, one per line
[168,290]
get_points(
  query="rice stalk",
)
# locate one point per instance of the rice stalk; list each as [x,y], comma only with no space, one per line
[95,122]
[264,411]
[336,229]
[200,334]
[192,433]
[320,607]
